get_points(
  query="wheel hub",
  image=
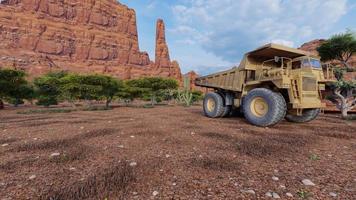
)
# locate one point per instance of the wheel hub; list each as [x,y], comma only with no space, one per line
[259,107]
[211,105]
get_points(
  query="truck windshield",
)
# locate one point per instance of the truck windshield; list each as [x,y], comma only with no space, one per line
[311,63]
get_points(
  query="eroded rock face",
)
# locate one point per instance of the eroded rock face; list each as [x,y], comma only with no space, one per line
[80,36]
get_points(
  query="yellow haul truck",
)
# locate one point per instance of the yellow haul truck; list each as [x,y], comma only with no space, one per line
[271,83]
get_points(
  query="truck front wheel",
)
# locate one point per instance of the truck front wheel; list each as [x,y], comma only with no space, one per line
[307,116]
[213,105]
[263,107]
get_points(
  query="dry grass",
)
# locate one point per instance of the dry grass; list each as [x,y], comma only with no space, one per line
[273,145]
[111,181]
[216,164]
[8,140]
[11,166]
[63,143]
[73,154]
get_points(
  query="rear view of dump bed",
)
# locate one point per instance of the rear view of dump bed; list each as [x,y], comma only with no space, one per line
[228,80]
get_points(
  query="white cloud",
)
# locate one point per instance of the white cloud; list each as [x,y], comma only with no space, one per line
[228,28]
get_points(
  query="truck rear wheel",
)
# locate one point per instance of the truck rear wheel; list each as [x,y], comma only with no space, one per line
[213,105]
[263,107]
[307,116]
[227,111]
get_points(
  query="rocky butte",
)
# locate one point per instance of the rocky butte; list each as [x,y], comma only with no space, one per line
[79,36]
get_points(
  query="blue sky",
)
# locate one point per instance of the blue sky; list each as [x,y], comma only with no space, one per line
[212,35]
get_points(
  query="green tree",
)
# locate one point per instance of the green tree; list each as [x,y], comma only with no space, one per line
[339,47]
[75,87]
[153,86]
[14,87]
[47,88]
[110,88]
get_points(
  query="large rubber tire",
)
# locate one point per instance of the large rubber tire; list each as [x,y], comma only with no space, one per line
[217,109]
[275,103]
[227,111]
[307,116]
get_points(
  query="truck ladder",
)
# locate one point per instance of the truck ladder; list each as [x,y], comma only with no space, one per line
[296,93]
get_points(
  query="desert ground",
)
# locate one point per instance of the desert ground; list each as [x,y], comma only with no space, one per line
[172,152]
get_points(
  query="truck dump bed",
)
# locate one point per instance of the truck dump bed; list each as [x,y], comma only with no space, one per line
[228,80]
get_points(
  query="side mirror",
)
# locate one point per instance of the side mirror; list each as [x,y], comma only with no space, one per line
[276,59]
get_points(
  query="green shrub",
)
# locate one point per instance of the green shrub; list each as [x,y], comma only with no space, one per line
[14,87]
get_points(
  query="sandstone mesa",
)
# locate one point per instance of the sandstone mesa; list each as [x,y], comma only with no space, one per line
[79,36]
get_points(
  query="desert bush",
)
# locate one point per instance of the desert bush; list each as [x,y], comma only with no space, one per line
[153,88]
[14,87]
[47,88]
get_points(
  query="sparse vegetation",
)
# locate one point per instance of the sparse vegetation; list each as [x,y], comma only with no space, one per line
[314,157]
[341,47]
[14,87]
[303,194]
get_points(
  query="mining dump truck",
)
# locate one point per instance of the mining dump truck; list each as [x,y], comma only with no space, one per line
[271,83]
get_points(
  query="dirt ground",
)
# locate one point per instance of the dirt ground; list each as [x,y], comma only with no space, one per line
[172,152]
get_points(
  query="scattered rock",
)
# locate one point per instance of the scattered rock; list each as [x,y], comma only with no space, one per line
[121,146]
[275,178]
[4,145]
[155,193]
[132,136]
[82,127]
[273,195]
[248,191]
[32,177]
[174,184]
[133,164]
[308,182]
[333,194]
[109,122]
[192,133]
[72,169]
[289,194]
[135,193]
[167,156]
[55,154]
[276,171]
[282,186]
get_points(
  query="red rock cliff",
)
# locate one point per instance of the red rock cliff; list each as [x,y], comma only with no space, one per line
[80,36]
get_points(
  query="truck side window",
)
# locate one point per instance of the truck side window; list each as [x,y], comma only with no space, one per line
[296,65]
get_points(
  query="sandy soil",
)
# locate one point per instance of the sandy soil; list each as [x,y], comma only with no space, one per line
[172,153]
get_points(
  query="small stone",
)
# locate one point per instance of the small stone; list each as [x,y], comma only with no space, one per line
[275,171]
[32,177]
[192,133]
[273,195]
[135,193]
[121,146]
[308,182]
[167,156]
[174,184]
[155,193]
[248,191]
[2,184]
[72,168]
[161,170]
[55,154]
[289,194]
[109,122]
[275,178]
[333,194]
[35,138]
[132,136]
[282,186]
[82,127]
[133,164]
[5,145]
